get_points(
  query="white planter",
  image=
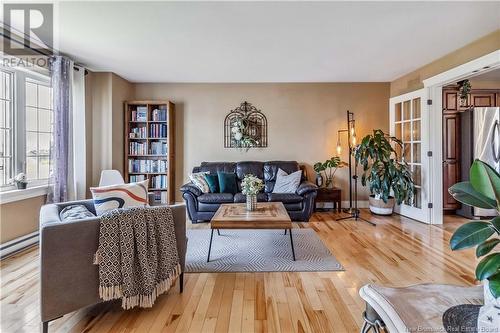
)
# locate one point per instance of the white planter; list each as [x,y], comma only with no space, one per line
[379,207]
[489,314]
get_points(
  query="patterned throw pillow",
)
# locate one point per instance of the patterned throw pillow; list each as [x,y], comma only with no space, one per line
[199,181]
[75,212]
[129,195]
[287,183]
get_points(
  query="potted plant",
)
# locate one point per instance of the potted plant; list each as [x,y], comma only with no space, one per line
[20,181]
[328,168]
[483,191]
[463,91]
[251,186]
[389,178]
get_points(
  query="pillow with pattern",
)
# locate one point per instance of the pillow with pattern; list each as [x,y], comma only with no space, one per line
[287,183]
[129,195]
[199,181]
[75,212]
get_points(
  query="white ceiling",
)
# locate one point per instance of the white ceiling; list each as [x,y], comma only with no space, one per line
[493,75]
[268,41]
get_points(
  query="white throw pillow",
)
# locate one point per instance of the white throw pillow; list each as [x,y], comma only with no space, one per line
[129,195]
[199,181]
[287,183]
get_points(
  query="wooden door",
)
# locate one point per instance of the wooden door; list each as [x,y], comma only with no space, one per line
[483,99]
[450,100]
[451,157]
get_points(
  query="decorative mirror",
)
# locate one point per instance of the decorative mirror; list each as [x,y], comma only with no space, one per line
[245,127]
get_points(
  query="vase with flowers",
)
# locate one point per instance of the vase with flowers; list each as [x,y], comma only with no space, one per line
[20,181]
[251,186]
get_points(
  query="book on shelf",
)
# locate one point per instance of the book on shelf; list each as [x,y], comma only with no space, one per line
[138,148]
[159,182]
[137,178]
[159,115]
[140,114]
[146,166]
[160,197]
[138,132]
[158,148]
[158,130]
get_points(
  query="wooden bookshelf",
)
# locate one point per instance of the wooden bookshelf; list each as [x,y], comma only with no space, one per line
[149,146]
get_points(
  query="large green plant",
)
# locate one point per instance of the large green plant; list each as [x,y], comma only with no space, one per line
[329,167]
[483,191]
[383,170]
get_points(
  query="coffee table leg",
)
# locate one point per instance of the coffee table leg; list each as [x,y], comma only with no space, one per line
[285,231]
[218,232]
[210,245]
[291,241]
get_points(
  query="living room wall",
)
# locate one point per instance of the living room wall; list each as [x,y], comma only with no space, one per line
[303,119]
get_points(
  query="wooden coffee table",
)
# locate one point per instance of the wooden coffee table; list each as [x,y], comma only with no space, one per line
[269,215]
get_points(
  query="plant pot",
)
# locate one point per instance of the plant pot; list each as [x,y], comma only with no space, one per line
[489,316]
[379,207]
[21,185]
[251,203]
[319,180]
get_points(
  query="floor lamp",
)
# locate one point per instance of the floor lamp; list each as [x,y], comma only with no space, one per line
[351,140]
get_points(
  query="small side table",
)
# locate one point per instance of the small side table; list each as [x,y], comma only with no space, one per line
[332,195]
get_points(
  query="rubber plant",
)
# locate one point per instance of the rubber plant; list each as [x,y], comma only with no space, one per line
[482,191]
[383,169]
[329,167]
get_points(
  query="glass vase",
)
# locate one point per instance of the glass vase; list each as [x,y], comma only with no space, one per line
[251,202]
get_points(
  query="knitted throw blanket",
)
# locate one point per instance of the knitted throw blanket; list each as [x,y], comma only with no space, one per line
[137,255]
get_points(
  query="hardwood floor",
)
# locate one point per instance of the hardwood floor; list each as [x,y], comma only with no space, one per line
[397,252]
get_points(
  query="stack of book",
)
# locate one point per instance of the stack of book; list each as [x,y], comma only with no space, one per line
[147,166]
[140,114]
[160,197]
[137,178]
[137,148]
[158,130]
[137,132]
[159,182]
[159,115]
[158,148]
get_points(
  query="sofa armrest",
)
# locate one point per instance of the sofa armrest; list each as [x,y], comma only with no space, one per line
[306,187]
[190,187]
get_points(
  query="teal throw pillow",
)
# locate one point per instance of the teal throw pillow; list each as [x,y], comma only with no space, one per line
[213,182]
[227,182]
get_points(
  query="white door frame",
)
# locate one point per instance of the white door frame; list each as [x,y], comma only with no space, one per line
[434,85]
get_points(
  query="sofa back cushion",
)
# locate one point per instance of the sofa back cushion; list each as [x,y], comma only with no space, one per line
[214,167]
[271,170]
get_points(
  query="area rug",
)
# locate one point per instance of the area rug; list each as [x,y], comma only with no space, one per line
[258,251]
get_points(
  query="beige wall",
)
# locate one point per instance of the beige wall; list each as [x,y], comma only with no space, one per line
[105,94]
[303,119]
[413,81]
[19,218]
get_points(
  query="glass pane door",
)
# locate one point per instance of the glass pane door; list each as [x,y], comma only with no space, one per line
[407,124]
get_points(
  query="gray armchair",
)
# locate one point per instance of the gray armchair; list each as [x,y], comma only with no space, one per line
[69,279]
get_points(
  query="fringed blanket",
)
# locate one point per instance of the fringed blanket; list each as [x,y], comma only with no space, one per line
[137,255]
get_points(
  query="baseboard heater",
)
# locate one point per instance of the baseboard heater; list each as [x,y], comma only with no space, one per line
[18,244]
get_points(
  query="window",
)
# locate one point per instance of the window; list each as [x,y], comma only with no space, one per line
[26,125]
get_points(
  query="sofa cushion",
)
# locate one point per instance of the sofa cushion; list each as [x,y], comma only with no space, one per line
[271,171]
[130,195]
[214,167]
[240,197]
[216,198]
[227,182]
[287,183]
[198,179]
[284,197]
[213,182]
[75,212]
[254,168]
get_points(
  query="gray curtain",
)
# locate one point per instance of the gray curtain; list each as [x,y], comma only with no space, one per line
[61,164]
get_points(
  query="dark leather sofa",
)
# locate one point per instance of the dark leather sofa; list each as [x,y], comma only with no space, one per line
[202,206]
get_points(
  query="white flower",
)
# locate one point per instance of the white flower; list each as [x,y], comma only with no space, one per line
[235,129]
[238,136]
[21,177]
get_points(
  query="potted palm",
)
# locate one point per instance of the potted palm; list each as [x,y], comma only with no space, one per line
[483,191]
[389,177]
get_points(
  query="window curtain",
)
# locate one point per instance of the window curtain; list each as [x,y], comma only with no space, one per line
[68,141]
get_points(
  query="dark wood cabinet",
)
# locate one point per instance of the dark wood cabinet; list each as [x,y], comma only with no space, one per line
[452,108]
[332,195]
[451,157]
[483,99]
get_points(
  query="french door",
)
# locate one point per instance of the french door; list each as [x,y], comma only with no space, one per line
[409,123]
